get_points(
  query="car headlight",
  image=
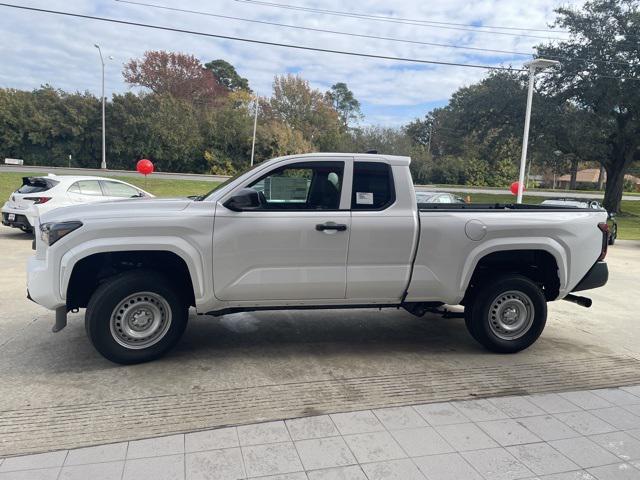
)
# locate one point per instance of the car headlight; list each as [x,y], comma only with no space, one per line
[51,232]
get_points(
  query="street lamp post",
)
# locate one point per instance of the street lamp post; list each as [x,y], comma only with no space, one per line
[255,125]
[103,164]
[538,63]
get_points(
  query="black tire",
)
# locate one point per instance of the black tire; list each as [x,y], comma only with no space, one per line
[27,230]
[613,235]
[468,320]
[162,298]
[483,322]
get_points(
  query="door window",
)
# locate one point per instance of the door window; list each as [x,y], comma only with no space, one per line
[373,187]
[302,186]
[86,187]
[117,189]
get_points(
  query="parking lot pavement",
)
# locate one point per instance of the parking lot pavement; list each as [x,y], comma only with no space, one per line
[56,392]
[588,435]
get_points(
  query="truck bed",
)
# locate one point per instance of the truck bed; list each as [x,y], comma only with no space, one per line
[455,237]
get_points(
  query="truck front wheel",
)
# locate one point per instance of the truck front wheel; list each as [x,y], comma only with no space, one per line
[507,315]
[135,317]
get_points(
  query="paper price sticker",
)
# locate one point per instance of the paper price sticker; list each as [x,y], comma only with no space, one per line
[364,198]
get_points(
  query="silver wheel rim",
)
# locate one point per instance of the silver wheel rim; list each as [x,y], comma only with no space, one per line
[511,315]
[140,320]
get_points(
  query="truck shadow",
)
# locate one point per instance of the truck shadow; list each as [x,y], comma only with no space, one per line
[282,345]
[327,331]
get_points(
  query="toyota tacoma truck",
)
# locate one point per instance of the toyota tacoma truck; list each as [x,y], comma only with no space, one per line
[315,231]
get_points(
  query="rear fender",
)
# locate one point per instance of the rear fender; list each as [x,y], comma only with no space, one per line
[502,244]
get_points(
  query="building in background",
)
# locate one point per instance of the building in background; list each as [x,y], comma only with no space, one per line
[589,179]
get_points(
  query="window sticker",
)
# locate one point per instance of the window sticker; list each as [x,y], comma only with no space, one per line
[364,198]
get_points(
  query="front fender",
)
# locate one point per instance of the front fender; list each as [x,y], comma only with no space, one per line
[191,256]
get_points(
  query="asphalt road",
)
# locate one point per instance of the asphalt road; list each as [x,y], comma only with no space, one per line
[57,392]
[221,178]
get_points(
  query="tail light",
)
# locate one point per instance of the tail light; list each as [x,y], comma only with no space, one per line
[604,228]
[38,200]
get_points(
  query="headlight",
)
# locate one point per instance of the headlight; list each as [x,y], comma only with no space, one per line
[51,232]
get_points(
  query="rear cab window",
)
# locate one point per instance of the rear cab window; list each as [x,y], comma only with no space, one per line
[373,187]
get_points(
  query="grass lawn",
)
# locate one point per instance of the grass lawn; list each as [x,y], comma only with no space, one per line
[628,220]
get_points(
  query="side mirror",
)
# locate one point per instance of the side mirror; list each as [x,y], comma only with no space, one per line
[612,215]
[245,199]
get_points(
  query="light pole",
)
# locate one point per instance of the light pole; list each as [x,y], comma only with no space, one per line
[255,125]
[538,63]
[103,165]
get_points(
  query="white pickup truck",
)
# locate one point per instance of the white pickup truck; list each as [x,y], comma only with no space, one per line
[311,231]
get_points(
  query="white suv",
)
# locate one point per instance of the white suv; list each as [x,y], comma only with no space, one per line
[38,195]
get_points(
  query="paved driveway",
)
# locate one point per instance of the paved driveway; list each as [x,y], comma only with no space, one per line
[56,390]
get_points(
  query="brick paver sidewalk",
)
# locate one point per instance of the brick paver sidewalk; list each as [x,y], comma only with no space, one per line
[580,435]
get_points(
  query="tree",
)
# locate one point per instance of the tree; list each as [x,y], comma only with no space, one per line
[228,130]
[275,139]
[479,129]
[227,75]
[419,131]
[600,72]
[46,125]
[176,74]
[345,103]
[302,108]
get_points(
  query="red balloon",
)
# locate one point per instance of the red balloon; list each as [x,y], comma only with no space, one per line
[514,188]
[144,166]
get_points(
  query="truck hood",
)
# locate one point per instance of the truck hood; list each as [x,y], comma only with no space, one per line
[129,208]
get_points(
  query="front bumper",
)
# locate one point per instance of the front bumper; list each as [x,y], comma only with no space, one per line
[596,277]
[42,285]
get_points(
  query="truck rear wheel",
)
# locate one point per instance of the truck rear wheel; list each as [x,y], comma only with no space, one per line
[135,317]
[507,315]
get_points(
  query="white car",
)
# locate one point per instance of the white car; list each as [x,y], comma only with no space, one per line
[38,195]
[437,197]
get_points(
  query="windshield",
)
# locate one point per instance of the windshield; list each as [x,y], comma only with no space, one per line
[226,182]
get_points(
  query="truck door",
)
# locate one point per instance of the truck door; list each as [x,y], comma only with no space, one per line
[294,246]
[384,229]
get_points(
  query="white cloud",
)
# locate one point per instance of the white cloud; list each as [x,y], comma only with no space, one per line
[38,48]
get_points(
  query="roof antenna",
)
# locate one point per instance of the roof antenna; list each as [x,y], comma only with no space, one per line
[373,152]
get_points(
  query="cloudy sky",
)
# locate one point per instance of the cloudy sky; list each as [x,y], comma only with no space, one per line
[38,48]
